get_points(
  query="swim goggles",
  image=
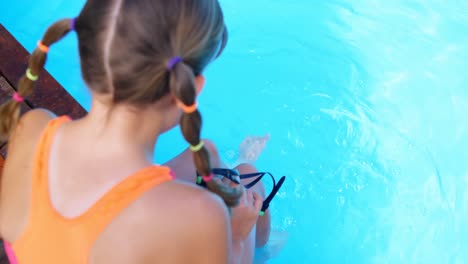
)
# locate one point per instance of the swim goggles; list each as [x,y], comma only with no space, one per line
[230,174]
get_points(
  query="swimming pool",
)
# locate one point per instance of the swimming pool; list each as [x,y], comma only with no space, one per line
[365,103]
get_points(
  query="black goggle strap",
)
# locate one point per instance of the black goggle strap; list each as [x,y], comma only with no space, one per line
[270,197]
[274,191]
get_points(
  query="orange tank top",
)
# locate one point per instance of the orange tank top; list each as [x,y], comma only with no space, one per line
[53,239]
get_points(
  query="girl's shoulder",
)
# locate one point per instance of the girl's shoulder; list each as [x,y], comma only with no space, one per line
[30,127]
[25,136]
[195,219]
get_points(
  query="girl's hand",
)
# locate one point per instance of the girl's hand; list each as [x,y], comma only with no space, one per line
[245,215]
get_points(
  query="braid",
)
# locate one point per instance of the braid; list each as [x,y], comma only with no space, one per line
[182,86]
[10,111]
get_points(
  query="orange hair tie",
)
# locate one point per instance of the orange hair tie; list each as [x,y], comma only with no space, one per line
[42,47]
[188,109]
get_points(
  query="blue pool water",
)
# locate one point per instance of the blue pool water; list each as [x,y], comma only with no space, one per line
[366,105]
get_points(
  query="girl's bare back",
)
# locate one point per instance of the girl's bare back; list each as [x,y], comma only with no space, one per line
[142,233]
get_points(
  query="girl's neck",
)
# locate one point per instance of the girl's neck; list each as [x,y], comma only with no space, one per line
[121,129]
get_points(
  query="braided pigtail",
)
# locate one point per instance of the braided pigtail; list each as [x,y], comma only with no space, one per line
[10,110]
[182,85]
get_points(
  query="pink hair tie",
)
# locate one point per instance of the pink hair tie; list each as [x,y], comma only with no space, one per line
[18,98]
[172,174]
[208,178]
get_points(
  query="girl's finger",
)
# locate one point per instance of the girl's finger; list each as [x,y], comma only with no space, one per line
[250,197]
[258,201]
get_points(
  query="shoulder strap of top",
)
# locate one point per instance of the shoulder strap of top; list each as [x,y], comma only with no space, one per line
[39,182]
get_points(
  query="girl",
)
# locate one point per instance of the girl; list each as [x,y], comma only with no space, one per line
[86,191]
